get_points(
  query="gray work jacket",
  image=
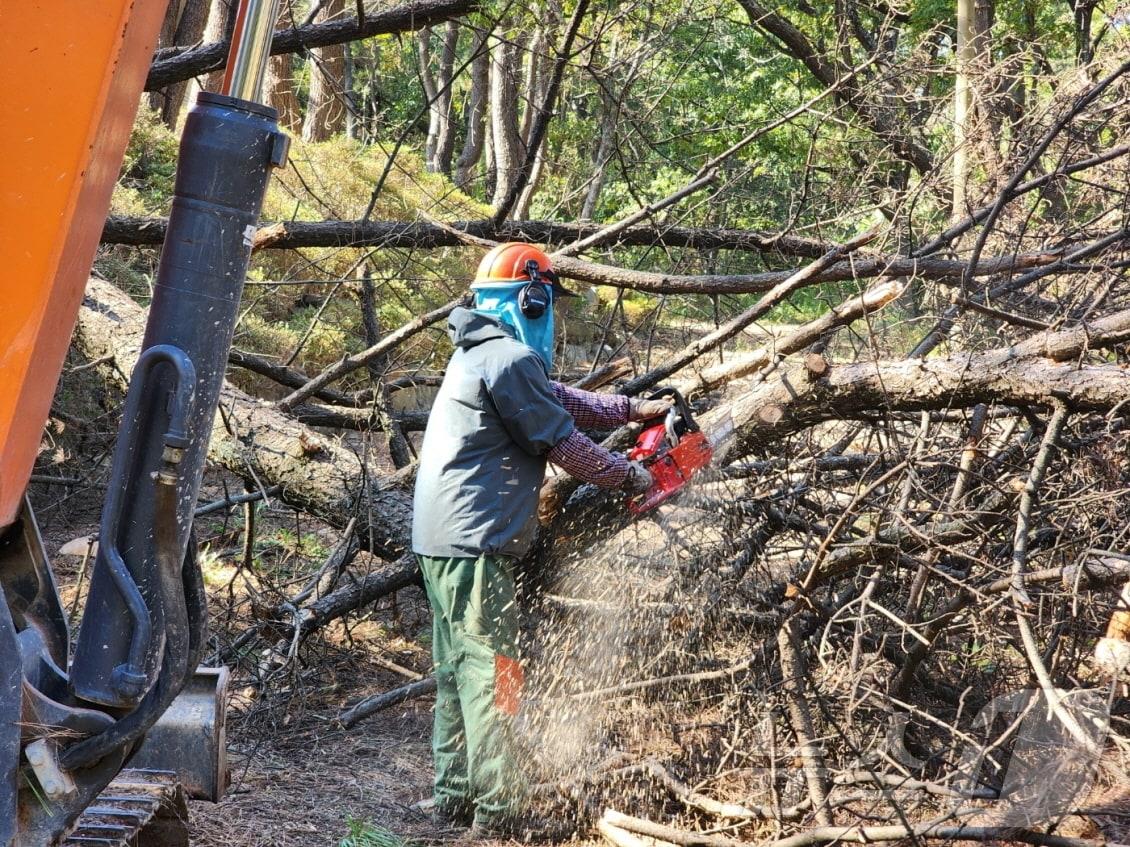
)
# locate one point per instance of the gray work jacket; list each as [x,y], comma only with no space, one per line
[483,457]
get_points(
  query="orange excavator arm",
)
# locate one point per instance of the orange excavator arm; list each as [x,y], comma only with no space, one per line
[73,711]
[73,76]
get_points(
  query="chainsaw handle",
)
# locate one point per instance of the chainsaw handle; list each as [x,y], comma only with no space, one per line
[681,407]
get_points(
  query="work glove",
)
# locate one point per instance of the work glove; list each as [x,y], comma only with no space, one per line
[549,504]
[639,479]
[642,410]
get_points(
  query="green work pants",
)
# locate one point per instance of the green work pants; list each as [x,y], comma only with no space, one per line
[478,684]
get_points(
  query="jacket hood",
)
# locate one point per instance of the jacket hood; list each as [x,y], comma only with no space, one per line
[468,328]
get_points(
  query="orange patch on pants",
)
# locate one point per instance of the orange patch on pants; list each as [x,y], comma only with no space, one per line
[508,677]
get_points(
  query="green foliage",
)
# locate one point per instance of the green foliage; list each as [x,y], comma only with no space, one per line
[146,184]
[365,834]
[689,80]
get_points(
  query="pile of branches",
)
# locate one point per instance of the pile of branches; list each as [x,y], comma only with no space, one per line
[917,508]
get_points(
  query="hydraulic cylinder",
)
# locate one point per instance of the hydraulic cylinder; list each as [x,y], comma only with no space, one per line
[227,152]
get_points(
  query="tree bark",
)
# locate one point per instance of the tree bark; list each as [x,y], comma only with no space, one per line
[325,110]
[264,446]
[444,135]
[428,83]
[279,87]
[217,30]
[140,232]
[610,116]
[962,103]
[474,114]
[184,24]
[504,115]
[1022,375]
[212,55]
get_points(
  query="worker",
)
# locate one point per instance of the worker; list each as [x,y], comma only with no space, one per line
[496,421]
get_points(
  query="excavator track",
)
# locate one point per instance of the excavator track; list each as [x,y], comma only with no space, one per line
[140,808]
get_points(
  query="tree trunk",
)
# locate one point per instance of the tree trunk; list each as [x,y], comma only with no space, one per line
[325,110]
[351,113]
[445,136]
[474,114]
[1083,11]
[507,145]
[281,93]
[183,27]
[437,90]
[964,54]
[428,82]
[278,86]
[166,38]
[261,444]
[522,207]
[610,116]
[216,29]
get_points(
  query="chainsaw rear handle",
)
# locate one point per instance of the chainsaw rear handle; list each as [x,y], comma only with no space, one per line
[679,421]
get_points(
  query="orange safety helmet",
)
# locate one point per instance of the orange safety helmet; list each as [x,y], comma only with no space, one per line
[510,262]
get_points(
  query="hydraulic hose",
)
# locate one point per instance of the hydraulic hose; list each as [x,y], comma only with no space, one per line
[130,677]
[181,630]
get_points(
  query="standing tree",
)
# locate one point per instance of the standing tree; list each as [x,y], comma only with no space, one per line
[325,110]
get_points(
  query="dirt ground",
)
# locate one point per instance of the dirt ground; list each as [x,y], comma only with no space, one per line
[297,776]
[306,782]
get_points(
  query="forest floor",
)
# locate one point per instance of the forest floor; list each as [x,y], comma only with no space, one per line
[299,778]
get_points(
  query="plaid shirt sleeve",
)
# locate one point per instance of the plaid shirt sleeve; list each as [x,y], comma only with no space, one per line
[581,457]
[591,410]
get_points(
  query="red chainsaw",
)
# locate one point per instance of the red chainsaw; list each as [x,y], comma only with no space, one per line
[672,448]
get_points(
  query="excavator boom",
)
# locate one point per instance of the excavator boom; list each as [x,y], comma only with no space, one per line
[71,82]
[127,689]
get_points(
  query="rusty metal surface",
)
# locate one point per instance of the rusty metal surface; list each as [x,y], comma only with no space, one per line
[191,739]
[141,808]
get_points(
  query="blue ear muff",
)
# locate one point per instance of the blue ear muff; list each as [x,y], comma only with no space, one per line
[534,298]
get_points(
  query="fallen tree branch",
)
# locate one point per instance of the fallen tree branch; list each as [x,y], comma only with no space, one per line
[999,376]
[941,270]
[371,705]
[794,674]
[799,339]
[259,443]
[724,333]
[350,363]
[174,66]
[733,811]
[941,829]
[665,682]
[291,235]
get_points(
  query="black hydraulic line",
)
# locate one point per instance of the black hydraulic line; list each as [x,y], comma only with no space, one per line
[176,664]
[130,677]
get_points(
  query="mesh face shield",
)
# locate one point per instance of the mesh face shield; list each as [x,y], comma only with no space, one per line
[500,300]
